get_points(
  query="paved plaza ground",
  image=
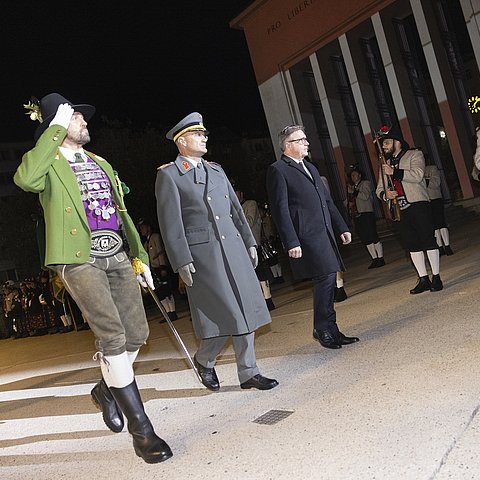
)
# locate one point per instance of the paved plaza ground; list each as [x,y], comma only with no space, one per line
[401,404]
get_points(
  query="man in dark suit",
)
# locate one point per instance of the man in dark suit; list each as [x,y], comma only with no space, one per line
[307,221]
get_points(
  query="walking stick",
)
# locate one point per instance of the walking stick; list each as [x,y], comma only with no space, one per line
[138,269]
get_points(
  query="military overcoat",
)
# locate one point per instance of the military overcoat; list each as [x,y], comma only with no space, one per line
[202,222]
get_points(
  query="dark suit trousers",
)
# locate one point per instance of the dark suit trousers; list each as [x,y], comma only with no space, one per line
[324,315]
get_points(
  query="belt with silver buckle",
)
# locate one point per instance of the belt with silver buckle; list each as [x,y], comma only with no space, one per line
[105,243]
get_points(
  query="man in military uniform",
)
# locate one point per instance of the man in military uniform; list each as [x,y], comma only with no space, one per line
[211,246]
[85,219]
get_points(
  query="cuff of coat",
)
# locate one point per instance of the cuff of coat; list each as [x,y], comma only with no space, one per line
[398,174]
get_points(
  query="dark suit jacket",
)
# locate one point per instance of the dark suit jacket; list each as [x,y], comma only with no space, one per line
[305,216]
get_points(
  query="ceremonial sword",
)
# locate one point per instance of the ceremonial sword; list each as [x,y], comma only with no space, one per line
[138,269]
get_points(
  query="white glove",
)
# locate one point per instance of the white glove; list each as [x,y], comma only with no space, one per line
[346,238]
[145,278]
[185,273]
[252,251]
[63,116]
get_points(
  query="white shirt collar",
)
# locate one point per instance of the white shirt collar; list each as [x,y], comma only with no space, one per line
[69,154]
[294,159]
[191,160]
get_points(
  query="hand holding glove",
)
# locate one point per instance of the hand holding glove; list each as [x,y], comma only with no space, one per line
[252,251]
[185,273]
[63,116]
[145,278]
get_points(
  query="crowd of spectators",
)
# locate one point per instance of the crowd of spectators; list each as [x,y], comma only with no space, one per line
[37,306]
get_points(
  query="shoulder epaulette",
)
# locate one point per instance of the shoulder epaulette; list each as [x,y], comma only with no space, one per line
[161,167]
[214,164]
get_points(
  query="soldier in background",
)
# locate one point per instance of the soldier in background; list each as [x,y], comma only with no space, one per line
[442,234]
[254,219]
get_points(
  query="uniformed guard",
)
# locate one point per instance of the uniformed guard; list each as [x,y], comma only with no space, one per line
[209,243]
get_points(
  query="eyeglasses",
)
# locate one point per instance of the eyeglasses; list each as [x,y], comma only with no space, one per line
[198,133]
[302,140]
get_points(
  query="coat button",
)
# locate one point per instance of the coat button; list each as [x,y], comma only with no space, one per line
[223,237]
[231,216]
[217,217]
[238,234]
[226,196]
[73,231]
[209,198]
[55,138]
[68,209]
[78,254]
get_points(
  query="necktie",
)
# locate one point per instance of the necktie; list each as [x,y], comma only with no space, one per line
[306,169]
[200,173]
[78,157]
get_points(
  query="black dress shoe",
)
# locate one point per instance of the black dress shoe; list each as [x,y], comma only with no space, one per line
[260,382]
[436,284]
[326,339]
[373,264]
[340,295]
[344,340]
[441,251]
[103,399]
[423,285]
[208,376]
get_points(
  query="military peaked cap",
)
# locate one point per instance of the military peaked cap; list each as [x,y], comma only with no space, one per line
[191,122]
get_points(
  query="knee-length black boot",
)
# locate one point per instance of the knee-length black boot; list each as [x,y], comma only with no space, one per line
[145,441]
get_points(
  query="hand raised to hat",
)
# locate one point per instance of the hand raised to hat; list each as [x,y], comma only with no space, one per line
[185,273]
[252,251]
[63,116]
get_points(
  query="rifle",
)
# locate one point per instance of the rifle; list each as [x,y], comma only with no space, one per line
[393,205]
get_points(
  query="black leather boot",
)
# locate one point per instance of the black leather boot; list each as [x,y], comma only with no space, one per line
[145,441]
[103,399]
[423,285]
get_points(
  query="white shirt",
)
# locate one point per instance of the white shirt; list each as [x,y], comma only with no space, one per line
[69,154]
[301,162]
